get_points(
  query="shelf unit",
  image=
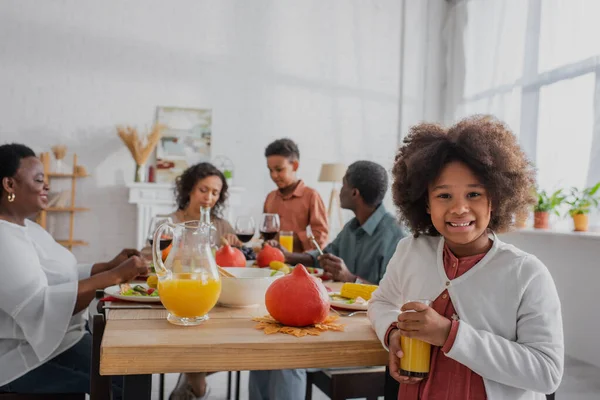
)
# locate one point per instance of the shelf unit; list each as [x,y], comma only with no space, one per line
[69,242]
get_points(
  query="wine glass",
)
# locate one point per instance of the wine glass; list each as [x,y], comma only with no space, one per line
[269,226]
[166,238]
[245,228]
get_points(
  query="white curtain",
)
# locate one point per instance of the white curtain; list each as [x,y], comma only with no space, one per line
[534,64]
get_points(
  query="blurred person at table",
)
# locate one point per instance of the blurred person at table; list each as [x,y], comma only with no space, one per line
[201,185]
[360,253]
[44,345]
[297,205]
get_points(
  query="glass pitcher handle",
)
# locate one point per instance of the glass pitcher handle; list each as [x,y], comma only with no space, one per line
[159,266]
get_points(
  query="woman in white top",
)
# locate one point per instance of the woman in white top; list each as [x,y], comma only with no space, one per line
[495,322]
[44,346]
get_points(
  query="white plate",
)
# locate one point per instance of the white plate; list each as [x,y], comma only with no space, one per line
[345,306]
[115,291]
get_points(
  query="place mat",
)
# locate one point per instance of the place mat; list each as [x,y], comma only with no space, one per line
[270,326]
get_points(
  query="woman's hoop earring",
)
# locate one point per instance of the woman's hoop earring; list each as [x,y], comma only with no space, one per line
[11,197]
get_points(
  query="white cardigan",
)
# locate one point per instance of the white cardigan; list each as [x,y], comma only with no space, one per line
[510,329]
[38,290]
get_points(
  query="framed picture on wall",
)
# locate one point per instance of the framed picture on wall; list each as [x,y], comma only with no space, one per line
[186,140]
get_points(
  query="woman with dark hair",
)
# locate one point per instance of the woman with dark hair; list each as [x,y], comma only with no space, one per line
[44,346]
[201,185]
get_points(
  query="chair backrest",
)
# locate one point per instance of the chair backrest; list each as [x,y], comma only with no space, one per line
[100,385]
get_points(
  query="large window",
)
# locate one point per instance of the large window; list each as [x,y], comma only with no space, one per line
[564,135]
[536,65]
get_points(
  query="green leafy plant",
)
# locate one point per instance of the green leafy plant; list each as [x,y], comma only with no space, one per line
[583,201]
[549,203]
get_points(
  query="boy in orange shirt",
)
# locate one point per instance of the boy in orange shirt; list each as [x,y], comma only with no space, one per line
[298,205]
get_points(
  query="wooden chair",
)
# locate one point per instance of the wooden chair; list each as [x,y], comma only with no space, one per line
[341,384]
[100,385]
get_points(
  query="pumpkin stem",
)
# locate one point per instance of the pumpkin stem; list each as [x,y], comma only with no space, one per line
[224,241]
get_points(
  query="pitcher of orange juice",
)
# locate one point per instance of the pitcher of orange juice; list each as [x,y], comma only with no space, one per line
[188,279]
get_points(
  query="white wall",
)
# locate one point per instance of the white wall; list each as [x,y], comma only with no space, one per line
[572,260]
[322,73]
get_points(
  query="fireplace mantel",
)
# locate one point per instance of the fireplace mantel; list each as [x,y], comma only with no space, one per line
[158,198]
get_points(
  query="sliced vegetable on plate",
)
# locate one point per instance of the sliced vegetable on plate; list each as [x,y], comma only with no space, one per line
[134,292]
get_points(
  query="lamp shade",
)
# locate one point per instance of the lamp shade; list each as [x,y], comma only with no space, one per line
[332,172]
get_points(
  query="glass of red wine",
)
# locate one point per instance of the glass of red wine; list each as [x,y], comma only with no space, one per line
[245,228]
[269,226]
[166,238]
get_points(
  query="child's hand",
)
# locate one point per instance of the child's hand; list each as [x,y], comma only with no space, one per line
[395,355]
[424,324]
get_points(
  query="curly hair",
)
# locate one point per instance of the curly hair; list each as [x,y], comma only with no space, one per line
[370,179]
[486,146]
[11,156]
[283,147]
[184,184]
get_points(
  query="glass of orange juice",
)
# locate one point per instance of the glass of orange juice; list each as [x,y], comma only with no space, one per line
[286,240]
[417,354]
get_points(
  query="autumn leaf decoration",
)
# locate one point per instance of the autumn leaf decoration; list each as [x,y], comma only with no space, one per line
[271,326]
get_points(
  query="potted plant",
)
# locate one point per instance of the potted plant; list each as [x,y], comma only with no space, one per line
[545,205]
[581,203]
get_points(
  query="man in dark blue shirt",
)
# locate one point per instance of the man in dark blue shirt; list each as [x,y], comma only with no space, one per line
[362,250]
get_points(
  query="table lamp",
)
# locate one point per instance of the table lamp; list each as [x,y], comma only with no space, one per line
[333,173]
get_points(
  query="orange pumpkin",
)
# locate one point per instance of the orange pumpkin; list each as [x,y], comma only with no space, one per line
[228,256]
[268,254]
[298,299]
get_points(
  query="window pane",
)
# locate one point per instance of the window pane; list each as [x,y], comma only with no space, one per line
[494,43]
[506,107]
[565,128]
[569,32]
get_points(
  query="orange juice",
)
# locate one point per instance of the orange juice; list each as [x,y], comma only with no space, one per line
[416,357]
[417,354]
[189,296]
[286,240]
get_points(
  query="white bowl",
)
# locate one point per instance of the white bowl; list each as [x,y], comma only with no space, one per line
[248,288]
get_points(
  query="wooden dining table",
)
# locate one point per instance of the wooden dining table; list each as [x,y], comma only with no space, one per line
[137,343]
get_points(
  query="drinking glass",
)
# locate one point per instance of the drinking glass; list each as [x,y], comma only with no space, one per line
[245,228]
[417,353]
[269,226]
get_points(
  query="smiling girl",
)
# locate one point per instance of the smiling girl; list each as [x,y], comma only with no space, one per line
[494,323]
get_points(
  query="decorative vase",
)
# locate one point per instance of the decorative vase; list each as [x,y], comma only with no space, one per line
[540,219]
[140,173]
[581,222]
